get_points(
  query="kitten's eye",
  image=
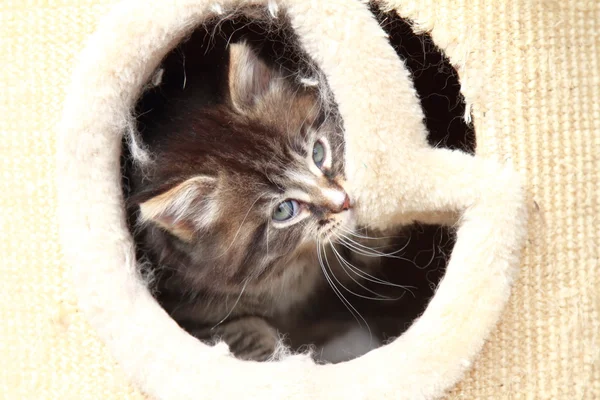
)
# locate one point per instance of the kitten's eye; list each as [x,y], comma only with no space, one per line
[318,154]
[286,210]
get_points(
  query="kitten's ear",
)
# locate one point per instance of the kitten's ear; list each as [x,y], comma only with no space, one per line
[183,209]
[250,78]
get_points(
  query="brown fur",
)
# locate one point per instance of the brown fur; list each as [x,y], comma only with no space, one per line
[225,269]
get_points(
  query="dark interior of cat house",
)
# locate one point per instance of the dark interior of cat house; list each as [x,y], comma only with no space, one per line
[194,75]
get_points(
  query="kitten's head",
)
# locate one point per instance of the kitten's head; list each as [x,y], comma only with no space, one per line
[254,182]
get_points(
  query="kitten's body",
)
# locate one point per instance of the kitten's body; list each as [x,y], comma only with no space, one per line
[226,266]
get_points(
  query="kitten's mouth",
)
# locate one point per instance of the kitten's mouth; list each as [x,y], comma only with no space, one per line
[329,235]
[333,232]
[337,227]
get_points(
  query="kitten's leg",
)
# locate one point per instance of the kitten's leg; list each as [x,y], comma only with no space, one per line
[248,338]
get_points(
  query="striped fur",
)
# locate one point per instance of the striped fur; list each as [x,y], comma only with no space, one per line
[225,269]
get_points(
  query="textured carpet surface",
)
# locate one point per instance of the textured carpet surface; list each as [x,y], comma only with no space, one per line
[539,104]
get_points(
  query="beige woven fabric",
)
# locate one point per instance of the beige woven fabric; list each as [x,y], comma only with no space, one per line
[540,105]
[543,110]
[47,350]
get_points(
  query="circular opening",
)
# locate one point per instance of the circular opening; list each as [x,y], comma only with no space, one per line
[193,78]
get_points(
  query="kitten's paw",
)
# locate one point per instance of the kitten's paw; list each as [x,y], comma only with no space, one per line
[250,338]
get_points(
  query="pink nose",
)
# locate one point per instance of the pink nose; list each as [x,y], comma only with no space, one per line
[346,205]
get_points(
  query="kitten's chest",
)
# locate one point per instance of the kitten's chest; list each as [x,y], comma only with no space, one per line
[294,285]
[297,283]
[303,279]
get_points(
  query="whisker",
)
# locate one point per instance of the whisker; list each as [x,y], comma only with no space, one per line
[239,229]
[344,262]
[234,304]
[344,287]
[354,233]
[269,230]
[343,299]
[368,277]
[369,252]
[345,230]
[358,248]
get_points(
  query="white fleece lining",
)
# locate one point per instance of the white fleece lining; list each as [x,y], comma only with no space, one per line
[384,124]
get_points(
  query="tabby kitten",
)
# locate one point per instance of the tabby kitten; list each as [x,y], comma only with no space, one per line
[238,204]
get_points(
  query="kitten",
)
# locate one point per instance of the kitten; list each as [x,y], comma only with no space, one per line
[239,205]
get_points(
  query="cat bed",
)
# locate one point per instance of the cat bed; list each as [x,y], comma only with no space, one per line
[395,174]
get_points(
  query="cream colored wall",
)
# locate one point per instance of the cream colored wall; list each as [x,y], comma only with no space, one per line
[532,70]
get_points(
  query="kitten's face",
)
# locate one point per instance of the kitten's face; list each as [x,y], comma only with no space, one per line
[307,200]
[254,184]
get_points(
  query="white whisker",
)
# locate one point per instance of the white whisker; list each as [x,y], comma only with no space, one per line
[338,293]
[234,304]
[368,277]
[343,262]
[353,233]
[369,252]
[240,228]
[374,238]
[341,284]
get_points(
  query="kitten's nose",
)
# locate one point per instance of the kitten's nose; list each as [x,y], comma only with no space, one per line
[346,205]
[335,200]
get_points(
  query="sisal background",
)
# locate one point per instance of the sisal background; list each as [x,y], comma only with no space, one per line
[532,70]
